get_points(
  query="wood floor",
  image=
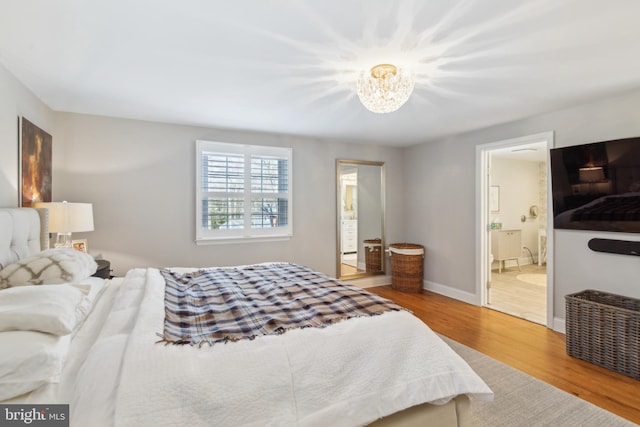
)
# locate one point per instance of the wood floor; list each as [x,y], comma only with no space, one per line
[347,270]
[526,346]
[512,293]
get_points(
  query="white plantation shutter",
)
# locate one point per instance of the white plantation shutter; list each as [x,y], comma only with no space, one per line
[243,191]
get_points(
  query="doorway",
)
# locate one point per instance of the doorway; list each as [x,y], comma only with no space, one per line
[514,274]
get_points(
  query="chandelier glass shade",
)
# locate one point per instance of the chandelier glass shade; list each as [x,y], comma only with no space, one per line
[385,89]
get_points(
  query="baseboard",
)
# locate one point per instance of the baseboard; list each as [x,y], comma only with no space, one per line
[450,292]
[371,281]
[559,325]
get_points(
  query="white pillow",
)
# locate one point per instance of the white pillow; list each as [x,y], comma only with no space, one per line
[53,309]
[29,360]
[53,266]
[92,287]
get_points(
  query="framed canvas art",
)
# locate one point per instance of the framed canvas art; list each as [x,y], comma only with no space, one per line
[35,164]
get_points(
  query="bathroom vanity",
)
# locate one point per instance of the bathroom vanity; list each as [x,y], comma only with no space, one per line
[505,245]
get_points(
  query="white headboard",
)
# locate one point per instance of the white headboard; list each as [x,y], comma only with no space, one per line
[23,232]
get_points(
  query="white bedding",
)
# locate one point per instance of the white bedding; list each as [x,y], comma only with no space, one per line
[348,374]
[33,355]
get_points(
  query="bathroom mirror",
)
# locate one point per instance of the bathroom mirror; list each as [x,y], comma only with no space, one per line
[360,218]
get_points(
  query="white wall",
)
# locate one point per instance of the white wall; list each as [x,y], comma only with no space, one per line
[140,176]
[440,202]
[519,190]
[17,100]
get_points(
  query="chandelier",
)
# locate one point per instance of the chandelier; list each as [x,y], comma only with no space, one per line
[385,89]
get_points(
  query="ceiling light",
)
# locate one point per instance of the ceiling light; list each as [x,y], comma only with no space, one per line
[385,89]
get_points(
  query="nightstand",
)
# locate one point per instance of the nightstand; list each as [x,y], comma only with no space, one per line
[104,269]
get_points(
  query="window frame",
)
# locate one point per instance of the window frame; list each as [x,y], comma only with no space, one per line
[245,233]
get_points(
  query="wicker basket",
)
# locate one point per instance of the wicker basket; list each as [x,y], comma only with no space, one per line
[604,329]
[373,255]
[407,266]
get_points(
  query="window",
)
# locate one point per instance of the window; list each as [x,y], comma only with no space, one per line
[243,191]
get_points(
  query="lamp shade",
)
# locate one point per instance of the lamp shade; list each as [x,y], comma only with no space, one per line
[67,217]
[592,174]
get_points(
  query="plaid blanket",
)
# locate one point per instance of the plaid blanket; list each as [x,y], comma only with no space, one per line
[230,304]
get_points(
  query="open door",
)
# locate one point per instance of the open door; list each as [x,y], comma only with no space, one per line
[507,201]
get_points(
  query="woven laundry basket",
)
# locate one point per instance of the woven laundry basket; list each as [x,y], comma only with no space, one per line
[407,266]
[604,329]
[373,255]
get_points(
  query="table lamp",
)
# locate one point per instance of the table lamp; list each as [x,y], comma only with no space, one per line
[66,218]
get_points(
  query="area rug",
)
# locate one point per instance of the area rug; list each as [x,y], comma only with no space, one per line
[533,279]
[521,400]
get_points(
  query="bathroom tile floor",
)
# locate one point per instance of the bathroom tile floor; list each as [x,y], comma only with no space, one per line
[520,293]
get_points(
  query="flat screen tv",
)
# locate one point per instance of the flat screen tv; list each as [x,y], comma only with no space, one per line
[597,186]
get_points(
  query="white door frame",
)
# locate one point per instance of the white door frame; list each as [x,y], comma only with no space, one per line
[483,269]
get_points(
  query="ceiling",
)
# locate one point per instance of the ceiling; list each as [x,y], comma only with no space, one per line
[289,66]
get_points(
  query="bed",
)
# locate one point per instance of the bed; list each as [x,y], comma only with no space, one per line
[112,364]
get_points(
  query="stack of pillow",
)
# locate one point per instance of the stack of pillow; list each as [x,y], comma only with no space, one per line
[44,299]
